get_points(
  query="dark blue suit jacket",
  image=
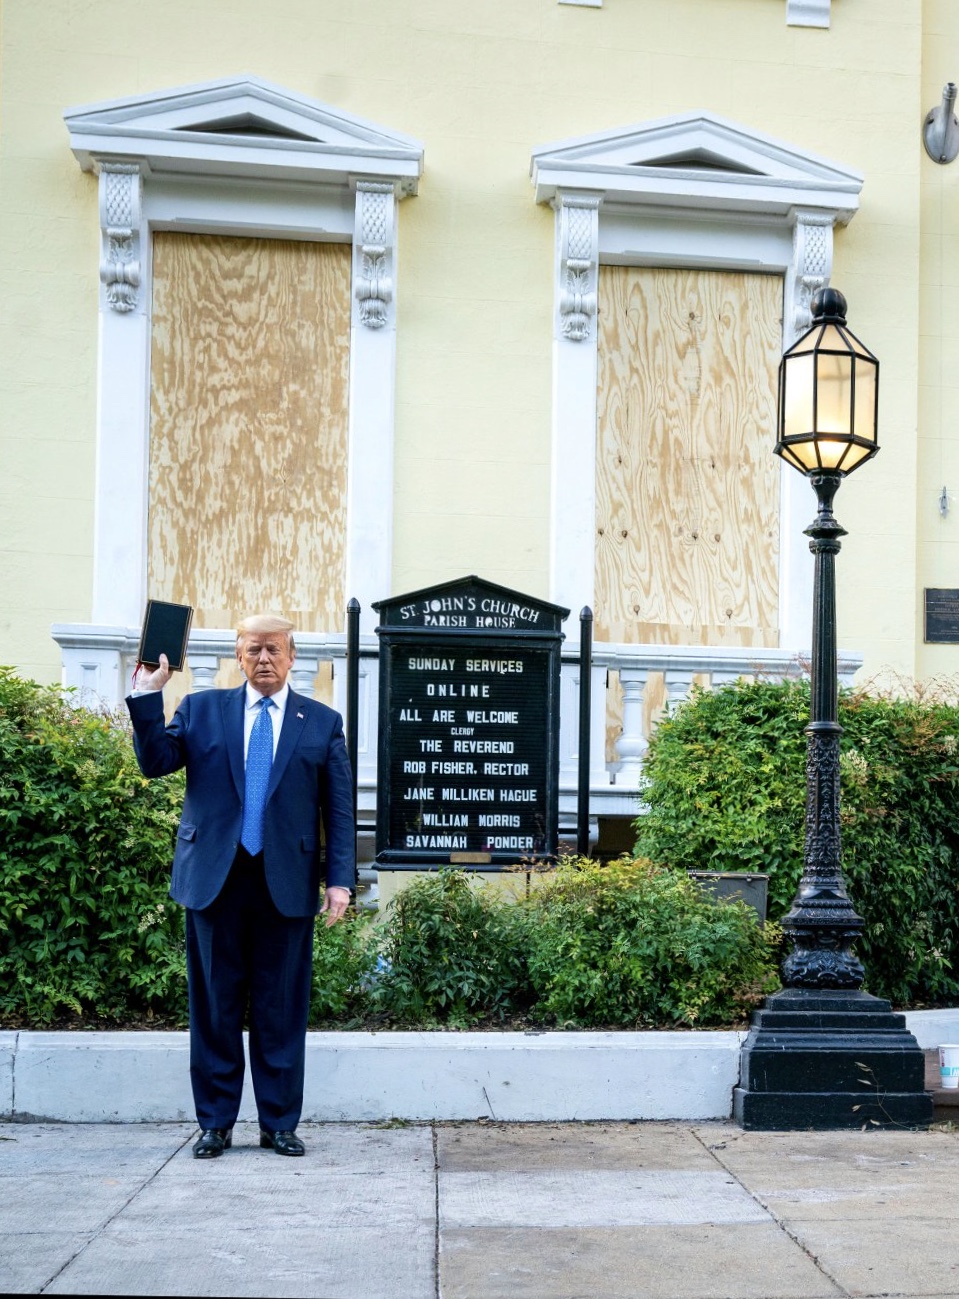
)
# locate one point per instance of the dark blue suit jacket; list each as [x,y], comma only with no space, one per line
[310,787]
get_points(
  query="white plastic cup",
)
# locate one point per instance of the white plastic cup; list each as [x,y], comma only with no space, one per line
[949,1066]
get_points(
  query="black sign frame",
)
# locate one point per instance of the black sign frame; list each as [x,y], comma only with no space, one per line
[468,651]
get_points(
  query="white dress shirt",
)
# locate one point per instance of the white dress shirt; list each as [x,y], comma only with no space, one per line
[275,715]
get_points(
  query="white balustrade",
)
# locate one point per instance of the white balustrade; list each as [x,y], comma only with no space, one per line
[599,776]
[98,663]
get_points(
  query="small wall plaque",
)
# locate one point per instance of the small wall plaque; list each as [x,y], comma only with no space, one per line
[941,620]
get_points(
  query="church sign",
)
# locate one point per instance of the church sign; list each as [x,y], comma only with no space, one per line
[469,728]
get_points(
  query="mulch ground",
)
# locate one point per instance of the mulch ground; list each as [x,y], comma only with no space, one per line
[370,1024]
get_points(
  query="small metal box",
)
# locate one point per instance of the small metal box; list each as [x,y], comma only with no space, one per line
[732,885]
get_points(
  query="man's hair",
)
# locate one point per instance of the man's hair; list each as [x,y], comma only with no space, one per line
[261,624]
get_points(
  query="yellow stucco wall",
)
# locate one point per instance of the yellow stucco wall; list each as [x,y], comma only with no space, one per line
[938,398]
[480,82]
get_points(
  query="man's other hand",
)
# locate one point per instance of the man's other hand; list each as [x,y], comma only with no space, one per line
[335,902]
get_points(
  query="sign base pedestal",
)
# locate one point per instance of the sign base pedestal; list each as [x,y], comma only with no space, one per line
[830,1059]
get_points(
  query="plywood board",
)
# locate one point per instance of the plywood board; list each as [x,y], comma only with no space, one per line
[248,428]
[687,486]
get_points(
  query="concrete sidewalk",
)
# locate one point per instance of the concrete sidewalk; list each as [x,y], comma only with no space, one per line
[481,1211]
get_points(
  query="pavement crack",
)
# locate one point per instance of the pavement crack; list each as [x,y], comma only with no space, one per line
[13,1076]
[490,1104]
[787,1231]
[95,1235]
[436,1213]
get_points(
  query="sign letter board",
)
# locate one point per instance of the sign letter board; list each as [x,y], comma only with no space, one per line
[469,727]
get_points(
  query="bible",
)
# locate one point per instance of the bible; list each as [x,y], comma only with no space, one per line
[166,630]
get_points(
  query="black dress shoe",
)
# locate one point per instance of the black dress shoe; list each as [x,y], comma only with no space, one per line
[213,1142]
[284,1143]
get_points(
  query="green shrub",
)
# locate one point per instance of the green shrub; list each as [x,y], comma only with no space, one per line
[726,791]
[634,945]
[454,951]
[344,964]
[622,946]
[85,850]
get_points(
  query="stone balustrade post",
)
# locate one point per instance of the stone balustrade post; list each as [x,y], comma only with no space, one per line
[203,669]
[632,744]
[726,676]
[679,686]
[303,674]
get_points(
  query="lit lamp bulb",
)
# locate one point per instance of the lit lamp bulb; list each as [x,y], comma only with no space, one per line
[828,386]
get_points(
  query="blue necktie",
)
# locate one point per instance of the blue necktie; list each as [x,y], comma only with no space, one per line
[259,760]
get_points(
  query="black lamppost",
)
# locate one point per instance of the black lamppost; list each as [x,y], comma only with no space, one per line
[822,1053]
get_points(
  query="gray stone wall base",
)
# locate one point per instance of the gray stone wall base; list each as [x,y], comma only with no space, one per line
[94,1077]
[366,1077]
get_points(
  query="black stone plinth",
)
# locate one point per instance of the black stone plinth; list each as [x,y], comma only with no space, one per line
[830,1059]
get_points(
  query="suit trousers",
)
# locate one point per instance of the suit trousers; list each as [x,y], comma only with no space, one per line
[242,953]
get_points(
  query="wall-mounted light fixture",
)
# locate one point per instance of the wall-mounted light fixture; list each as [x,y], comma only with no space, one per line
[940,130]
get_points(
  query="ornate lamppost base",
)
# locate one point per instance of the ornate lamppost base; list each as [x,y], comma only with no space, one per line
[830,1058]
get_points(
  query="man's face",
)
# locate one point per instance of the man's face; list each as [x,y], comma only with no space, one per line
[266,659]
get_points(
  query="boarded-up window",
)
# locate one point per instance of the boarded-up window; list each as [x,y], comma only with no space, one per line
[248,428]
[687,487]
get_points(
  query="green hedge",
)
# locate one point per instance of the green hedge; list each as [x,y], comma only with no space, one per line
[88,931]
[633,945]
[726,791]
[628,945]
[453,951]
[85,850]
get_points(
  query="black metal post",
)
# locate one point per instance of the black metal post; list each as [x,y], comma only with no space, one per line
[353,693]
[822,925]
[585,702]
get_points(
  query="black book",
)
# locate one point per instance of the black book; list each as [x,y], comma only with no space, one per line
[166,630]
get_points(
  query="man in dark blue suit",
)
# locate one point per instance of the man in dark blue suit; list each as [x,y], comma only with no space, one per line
[266,770]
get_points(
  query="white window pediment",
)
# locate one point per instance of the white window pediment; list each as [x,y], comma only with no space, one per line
[695,160]
[692,190]
[242,157]
[244,128]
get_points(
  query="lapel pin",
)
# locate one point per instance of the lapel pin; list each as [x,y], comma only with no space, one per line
[300,716]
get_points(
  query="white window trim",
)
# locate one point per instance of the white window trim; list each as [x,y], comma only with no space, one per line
[807,13]
[170,161]
[691,190]
[799,13]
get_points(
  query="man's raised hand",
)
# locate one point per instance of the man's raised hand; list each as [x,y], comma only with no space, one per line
[158,678]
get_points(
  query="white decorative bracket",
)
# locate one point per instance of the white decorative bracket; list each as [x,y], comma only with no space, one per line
[373,252]
[121,206]
[809,270]
[807,13]
[579,264]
